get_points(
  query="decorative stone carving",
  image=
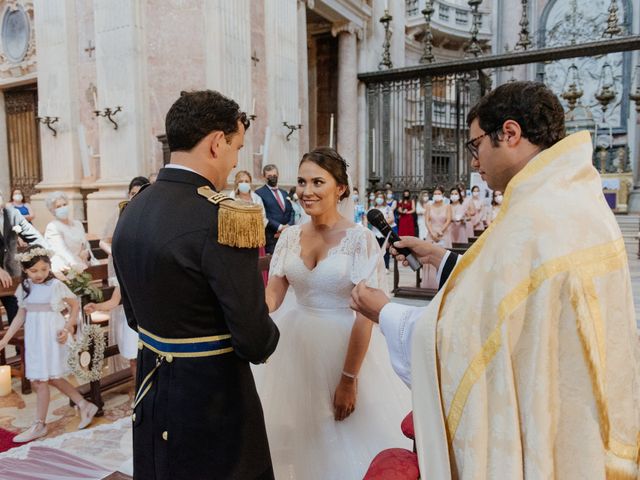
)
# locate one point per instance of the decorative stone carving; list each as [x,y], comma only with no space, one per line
[17,39]
[348,27]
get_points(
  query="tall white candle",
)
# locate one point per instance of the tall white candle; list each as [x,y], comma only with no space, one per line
[95,100]
[386,4]
[265,151]
[253,106]
[299,116]
[373,152]
[283,117]
[5,380]
[331,131]
[40,112]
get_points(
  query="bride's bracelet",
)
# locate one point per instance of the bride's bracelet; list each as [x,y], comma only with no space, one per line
[349,375]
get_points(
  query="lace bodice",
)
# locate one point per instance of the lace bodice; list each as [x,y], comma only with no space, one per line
[329,283]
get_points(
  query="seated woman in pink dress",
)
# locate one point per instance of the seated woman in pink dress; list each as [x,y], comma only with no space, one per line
[458,217]
[438,220]
[406,214]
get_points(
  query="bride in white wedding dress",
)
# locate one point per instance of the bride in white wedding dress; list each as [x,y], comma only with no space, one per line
[331,400]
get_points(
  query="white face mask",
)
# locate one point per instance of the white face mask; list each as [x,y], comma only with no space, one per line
[437,198]
[17,198]
[498,199]
[389,196]
[372,197]
[475,194]
[455,198]
[379,201]
[62,213]
[355,198]
[295,196]
[244,187]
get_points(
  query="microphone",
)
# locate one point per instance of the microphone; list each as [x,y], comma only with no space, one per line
[376,218]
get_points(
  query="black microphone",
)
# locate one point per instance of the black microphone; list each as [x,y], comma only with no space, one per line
[376,218]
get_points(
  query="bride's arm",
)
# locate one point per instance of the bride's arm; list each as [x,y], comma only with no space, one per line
[344,400]
[275,292]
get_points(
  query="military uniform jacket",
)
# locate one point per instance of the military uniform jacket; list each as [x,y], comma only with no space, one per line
[202,418]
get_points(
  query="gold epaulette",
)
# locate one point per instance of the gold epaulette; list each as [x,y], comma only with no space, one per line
[121,206]
[239,225]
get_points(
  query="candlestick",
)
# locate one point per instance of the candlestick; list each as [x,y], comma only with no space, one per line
[5,380]
[331,131]
[373,153]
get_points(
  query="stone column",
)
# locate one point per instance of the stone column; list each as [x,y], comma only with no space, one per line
[347,120]
[120,62]
[56,38]
[303,78]
[5,174]
[228,61]
[281,33]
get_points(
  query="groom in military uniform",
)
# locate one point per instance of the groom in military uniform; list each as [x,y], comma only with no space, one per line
[187,260]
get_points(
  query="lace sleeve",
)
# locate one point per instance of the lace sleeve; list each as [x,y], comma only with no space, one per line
[366,250]
[59,293]
[276,268]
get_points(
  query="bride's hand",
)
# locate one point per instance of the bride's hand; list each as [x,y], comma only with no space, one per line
[344,400]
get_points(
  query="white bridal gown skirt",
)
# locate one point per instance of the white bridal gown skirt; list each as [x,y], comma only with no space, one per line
[297,386]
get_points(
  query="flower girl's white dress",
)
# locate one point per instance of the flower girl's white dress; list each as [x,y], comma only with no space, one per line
[300,378]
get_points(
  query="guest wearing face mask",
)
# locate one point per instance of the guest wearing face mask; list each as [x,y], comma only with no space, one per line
[406,212]
[66,237]
[438,220]
[421,208]
[279,211]
[477,222]
[242,191]
[358,208]
[458,217]
[20,204]
[496,203]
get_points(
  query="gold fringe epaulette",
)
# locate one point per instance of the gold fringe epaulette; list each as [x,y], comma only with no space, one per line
[239,224]
[122,205]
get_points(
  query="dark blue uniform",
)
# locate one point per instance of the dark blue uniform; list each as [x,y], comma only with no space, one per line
[197,417]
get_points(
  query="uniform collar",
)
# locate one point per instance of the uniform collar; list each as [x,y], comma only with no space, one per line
[184,175]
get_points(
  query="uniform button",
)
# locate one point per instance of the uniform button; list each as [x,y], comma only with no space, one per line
[165,435]
[169,358]
[133,417]
[140,345]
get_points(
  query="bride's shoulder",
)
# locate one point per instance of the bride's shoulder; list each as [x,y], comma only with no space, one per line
[359,232]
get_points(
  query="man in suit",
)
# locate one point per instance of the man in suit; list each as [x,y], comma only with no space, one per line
[12,226]
[191,287]
[277,206]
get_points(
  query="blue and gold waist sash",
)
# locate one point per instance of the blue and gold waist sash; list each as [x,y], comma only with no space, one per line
[170,348]
[185,347]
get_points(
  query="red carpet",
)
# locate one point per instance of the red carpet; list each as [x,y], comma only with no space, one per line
[6,440]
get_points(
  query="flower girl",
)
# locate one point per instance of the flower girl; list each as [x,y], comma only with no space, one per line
[41,299]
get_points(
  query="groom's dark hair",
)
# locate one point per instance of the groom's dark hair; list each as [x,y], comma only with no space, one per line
[195,115]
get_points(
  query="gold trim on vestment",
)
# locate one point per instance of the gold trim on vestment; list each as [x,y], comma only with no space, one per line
[606,257]
[185,340]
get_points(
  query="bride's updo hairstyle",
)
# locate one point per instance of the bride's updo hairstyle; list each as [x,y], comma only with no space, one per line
[331,161]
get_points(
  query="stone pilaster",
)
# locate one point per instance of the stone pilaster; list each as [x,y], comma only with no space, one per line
[281,32]
[58,93]
[228,61]
[120,65]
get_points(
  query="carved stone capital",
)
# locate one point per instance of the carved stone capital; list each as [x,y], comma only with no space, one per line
[346,27]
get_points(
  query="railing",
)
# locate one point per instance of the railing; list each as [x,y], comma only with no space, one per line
[416,116]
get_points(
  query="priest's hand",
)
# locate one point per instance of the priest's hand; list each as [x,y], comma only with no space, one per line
[426,252]
[368,301]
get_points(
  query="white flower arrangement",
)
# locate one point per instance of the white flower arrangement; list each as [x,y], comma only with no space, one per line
[17,229]
[87,367]
[35,252]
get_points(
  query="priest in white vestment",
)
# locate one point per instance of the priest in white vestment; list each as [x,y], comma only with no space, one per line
[526,363]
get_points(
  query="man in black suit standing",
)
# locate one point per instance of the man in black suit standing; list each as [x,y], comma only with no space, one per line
[186,259]
[277,206]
